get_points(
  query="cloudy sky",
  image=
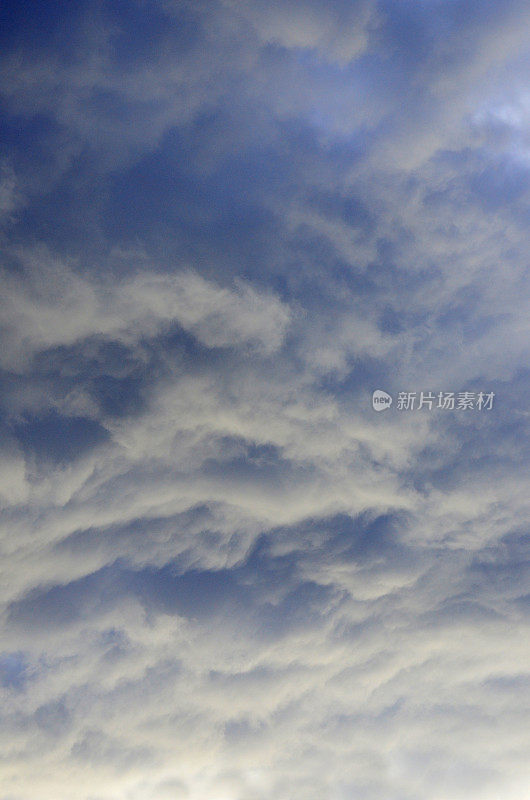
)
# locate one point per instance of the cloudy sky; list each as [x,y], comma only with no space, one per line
[223,225]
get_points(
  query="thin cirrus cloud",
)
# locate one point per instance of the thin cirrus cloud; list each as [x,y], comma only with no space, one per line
[50,306]
[224,577]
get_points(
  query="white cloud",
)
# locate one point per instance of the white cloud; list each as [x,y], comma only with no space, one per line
[337,33]
[51,305]
[252,586]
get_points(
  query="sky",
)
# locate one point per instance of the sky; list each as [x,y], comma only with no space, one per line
[226,573]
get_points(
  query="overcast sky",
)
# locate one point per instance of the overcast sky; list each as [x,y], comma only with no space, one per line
[223,225]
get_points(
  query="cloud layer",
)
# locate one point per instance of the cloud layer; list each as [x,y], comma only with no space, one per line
[224,577]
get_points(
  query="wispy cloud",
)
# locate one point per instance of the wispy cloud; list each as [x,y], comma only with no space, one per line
[223,576]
